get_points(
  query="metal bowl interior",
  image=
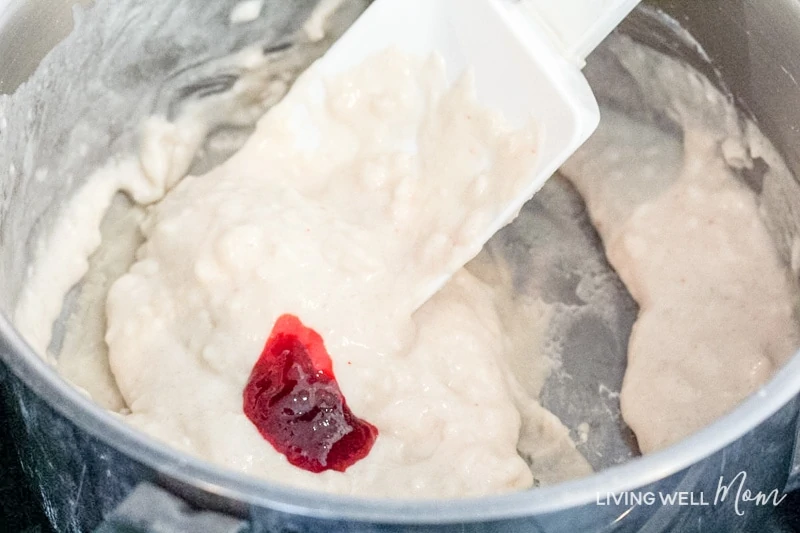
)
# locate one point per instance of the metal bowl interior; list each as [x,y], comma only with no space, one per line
[236,493]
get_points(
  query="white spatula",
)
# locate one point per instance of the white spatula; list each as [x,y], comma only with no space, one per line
[526,55]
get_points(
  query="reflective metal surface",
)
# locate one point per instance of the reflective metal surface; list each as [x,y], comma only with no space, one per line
[85,461]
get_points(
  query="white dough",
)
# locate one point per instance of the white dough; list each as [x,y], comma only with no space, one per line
[338,210]
[350,197]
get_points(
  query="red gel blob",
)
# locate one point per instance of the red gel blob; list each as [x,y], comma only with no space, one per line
[293,399]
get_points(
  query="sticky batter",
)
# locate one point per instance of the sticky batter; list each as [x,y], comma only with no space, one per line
[340,210]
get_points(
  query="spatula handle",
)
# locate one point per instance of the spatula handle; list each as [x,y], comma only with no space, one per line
[576,26]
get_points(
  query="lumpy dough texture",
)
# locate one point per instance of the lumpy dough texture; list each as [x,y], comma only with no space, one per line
[343,205]
[346,202]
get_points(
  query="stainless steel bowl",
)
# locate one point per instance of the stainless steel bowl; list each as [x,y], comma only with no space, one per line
[85,462]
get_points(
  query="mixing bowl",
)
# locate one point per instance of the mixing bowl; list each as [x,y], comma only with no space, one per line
[140,57]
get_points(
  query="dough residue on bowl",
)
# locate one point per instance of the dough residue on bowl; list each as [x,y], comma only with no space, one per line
[347,200]
[686,236]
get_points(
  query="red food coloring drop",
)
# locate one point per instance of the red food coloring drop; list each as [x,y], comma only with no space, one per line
[295,403]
